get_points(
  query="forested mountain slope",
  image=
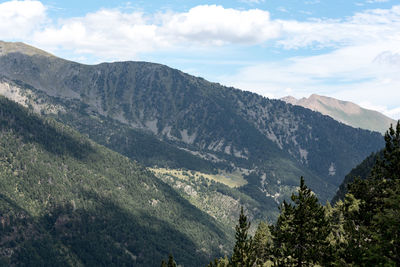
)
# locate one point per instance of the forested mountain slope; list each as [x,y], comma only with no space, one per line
[361,171]
[270,142]
[64,200]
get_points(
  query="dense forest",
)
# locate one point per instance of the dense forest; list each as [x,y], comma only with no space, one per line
[66,201]
[361,230]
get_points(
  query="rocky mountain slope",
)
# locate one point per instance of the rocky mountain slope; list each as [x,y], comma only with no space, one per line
[345,112]
[64,200]
[119,104]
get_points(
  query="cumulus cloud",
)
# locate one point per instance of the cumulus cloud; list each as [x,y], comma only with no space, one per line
[216,25]
[131,33]
[128,34]
[18,19]
[106,34]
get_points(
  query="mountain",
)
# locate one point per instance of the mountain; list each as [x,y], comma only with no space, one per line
[65,200]
[345,112]
[165,118]
[361,171]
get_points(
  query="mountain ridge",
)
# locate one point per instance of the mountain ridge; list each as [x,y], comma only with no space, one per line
[344,111]
[18,47]
[271,142]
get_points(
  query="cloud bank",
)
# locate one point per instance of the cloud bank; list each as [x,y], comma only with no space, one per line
[359,58]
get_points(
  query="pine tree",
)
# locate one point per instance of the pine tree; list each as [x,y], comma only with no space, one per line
[262,244]
[243,251]
[373,227]
[385,224]
[388,167]
[301,232]
[171,262]
[221,262]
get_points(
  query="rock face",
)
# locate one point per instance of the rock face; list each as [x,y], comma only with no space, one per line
[345,112]
[240,131]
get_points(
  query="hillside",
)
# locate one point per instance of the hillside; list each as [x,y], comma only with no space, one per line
[361,171]
[223,129]
[345,112]
[64,200]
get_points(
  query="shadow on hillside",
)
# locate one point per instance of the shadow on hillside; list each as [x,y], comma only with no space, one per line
[103,235]
[52,136]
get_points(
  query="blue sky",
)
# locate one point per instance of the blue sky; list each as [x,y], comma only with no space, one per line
[345,49]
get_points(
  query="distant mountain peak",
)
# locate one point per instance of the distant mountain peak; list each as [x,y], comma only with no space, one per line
[290,99]
[18,47]
[344,111]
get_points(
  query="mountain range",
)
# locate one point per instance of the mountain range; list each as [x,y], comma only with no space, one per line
[345,112]
[207,148]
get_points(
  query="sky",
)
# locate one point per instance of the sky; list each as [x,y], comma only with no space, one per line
[347,49]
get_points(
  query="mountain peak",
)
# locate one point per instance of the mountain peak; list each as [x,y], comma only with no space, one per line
[290,99]
[344,111]
[18,47]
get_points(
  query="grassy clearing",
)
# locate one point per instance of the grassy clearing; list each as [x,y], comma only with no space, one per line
[233,180]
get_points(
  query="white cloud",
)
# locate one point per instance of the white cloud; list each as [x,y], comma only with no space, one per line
[252,1]
[364,57]
[355,74]
[366,27]
[221,26]
[18,19]
[108,34]
[377,1]
[113,34]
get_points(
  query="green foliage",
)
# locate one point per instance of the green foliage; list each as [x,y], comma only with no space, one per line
[301,231]
[263,243]
[371,211]
[221,262]
[68,201]
[361,171]
[388,167]
[243,254]
[361,230]
[239,129]
[171,262]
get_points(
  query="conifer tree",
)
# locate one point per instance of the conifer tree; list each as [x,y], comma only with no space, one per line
[262,244]
[171,262]
[243,251]
[385,224]
[301,232]
[221,262]
[373,227]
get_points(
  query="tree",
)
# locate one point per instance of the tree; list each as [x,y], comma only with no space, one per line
[372,228]
[221,262]
[243,251]
[262,243]
[385,224]
[171,262]
[388,167]
[301,232]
